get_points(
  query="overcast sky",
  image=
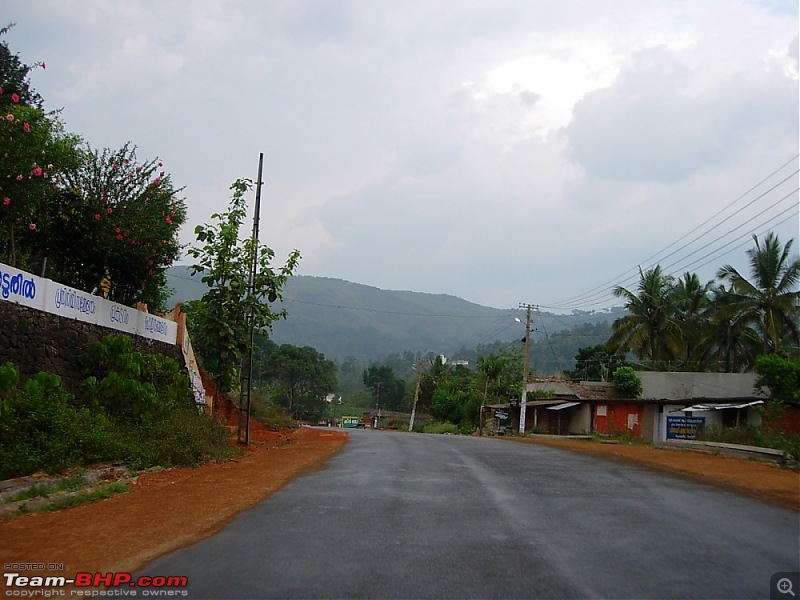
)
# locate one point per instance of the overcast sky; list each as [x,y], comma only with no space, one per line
[503,151]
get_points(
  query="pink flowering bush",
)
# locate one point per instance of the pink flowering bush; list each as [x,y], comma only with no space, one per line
[31,143]
[120,219]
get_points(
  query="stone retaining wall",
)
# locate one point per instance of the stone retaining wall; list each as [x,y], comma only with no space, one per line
[38,341]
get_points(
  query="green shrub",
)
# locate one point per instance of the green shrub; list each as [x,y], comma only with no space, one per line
[439,427]
[182,438]
[133,387]
[627,382]
[41,431]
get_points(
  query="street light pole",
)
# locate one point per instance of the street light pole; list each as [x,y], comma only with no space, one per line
[524,399]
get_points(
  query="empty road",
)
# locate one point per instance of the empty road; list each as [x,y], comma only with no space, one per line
[398,515]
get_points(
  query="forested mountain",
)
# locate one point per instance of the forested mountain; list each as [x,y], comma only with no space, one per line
[343,319]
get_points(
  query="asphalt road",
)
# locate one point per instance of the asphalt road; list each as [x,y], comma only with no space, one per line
[398,515]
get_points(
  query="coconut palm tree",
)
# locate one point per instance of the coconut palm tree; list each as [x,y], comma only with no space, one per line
[769,301]
[733,344]
[650,329]
[692,306]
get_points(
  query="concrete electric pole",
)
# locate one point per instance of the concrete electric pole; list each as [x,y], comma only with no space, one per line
[524,398]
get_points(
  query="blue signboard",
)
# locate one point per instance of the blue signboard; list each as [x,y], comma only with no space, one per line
[684,428]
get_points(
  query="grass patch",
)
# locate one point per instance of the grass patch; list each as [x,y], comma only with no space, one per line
[71,483]
[440,427]
[102,493]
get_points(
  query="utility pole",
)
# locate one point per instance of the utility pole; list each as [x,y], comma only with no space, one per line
[246,382]
[524,399]
[416,397]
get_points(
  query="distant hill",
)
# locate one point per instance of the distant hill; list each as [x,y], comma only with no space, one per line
[342,319]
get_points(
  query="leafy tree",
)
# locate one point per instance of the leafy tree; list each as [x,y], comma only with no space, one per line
[220,320]
[626,380]
[14,77]
[781,375]
[300,378]
[119,218]
[34,150]
[502,376]
[594,363]
[651,329]
[770,301]
[388,390]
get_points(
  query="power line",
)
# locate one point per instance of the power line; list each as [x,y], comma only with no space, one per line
[581,299]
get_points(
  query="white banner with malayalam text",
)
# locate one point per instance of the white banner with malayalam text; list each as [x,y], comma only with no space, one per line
[46,295]
[116,316]
[156,328]
[22,288]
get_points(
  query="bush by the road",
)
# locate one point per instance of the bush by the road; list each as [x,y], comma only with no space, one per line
[137,409]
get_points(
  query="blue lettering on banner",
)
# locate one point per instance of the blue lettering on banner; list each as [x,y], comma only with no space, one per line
[17,285]
[155,325]
[71,299]
[119,314]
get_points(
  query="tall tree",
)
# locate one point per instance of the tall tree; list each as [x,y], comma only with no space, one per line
[387,389]
[299,379]
[650,329]
[733,343]
[769,301]
[220,320]
[692,304]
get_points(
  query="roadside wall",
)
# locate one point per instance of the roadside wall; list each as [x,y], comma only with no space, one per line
[47,326]
[38,341]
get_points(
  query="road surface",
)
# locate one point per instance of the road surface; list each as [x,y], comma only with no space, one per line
[398,515]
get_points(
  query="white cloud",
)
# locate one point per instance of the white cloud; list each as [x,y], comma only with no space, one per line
[501,151]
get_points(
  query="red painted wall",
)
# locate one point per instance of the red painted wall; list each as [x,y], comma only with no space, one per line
[620,417]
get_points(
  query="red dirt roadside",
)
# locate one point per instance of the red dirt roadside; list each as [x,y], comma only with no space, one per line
[164,510]
[761,480]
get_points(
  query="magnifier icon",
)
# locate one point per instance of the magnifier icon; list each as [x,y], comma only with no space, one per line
[784,586]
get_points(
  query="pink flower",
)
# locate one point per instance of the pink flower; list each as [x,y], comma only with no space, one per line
[37,172]
[15,98]
[160,164]
[157,180]
[25,127]
[20,177]
[117,230]
[125,234]
[1,90]
[109,210]
[44,65]
[115,167]
[97,217]
[169,221]
[119,237]
[9,117]
[125,160]
[32,226]
[6,201]
[169,261]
